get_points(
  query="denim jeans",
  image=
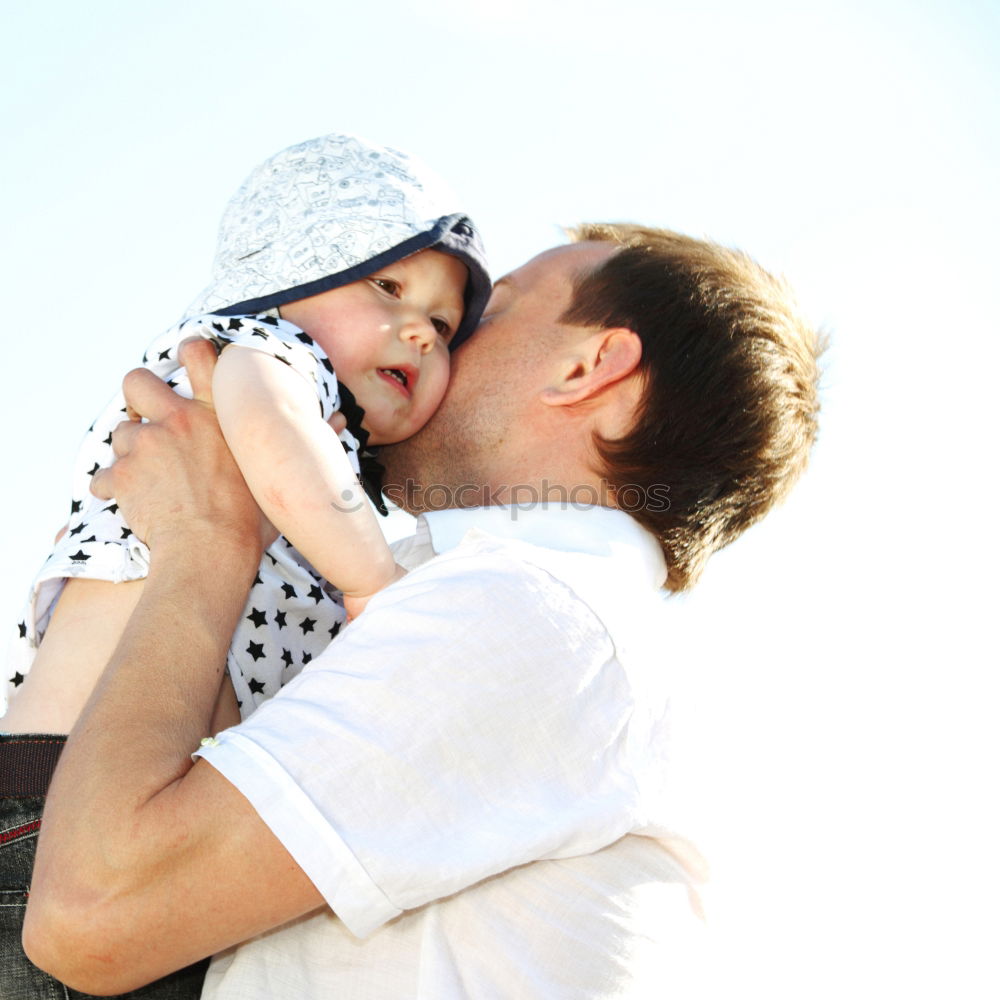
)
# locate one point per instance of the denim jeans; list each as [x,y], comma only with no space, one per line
[20,819]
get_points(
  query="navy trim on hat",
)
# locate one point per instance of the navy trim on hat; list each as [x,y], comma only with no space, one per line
[451,234]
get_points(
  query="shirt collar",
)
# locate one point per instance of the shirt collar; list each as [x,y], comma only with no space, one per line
[596,531]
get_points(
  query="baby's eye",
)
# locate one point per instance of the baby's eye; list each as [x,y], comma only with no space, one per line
[443,329]
[387,285]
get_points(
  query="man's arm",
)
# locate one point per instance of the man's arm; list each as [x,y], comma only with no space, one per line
[133,833]
[402,767]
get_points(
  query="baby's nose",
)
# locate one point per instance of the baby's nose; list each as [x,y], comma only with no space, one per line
[421,330]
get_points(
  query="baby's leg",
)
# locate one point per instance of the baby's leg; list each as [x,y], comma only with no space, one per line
[84,630]
[85,627]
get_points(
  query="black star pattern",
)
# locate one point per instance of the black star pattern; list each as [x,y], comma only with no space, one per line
[257,617]
[22,628]
[289,344]
[18,679]
[282,359]
[171,383]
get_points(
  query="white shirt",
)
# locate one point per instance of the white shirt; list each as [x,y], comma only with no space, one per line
[475,775]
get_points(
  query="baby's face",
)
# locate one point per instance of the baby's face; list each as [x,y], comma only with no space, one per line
[387,336]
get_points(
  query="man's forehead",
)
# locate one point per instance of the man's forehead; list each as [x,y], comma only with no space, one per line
[562,263]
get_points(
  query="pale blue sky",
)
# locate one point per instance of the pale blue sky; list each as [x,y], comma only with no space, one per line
[838,661]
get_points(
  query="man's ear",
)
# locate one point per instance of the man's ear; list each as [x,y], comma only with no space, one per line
[599,361]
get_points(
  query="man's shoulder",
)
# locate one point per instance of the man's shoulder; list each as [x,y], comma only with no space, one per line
[591,563]
[481,574]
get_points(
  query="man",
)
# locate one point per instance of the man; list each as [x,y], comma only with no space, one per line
[473,779]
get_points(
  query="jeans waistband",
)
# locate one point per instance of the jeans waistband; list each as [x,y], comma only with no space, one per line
[27,761]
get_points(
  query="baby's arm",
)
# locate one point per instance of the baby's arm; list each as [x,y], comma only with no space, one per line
[298,472]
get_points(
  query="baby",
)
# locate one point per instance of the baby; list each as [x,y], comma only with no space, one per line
[341,283]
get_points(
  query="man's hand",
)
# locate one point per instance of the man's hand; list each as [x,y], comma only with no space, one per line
[173,476]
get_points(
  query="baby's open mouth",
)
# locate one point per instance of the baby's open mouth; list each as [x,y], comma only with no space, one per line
[404,379]
[398,374]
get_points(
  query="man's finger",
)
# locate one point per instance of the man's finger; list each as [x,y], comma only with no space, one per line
[146,395]
[101,484]
[123,436]
[199,357]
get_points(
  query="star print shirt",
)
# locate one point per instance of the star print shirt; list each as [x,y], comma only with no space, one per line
[292,613]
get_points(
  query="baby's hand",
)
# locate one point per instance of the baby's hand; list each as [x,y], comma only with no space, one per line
[337,421]
[354,604]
